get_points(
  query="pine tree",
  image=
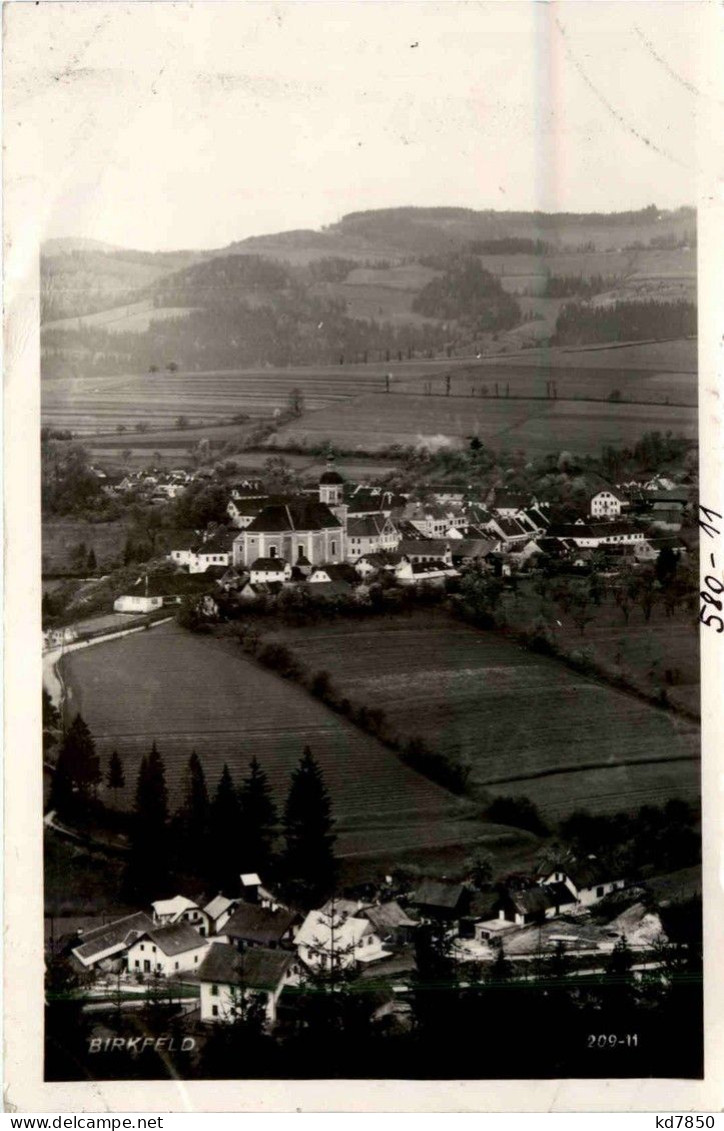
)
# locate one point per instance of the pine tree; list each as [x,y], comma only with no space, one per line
[309,858]
[192,820]
[147,873]
[225,838]
[116,778]
[258,820]
[78,771]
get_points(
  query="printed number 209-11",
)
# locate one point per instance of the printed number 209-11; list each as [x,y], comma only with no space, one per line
[612,1040]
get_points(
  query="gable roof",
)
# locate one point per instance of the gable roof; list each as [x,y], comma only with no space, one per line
[259,924]
[387,916]
[316,932]
[436,893]
[257,968]
[176,938]
[296,515]
[111,937]
[221,541]
[217,906]
[173,906]
[269,565]
[369,526]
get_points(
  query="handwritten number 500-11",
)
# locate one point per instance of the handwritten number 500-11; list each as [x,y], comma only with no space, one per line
[716,586]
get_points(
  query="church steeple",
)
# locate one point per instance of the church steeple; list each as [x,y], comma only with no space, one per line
[330,485]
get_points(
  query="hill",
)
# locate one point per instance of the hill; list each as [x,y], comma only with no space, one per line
[383,285]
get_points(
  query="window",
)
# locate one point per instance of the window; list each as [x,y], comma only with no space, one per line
[300,551]
[175,965]
[153,950]
[215,991]
[214,1011]
[143,946]
[334,548]
[137,964]
[196,958]
[599,892]
[272,551]
[158,967]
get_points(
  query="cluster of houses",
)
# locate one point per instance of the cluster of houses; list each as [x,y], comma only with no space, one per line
[338,536]
[255,945]
[151,484]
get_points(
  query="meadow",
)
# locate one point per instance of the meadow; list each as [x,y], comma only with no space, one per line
[198,693]
[537,427]
[524,723]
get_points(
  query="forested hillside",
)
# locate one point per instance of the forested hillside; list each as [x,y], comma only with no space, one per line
[382,285]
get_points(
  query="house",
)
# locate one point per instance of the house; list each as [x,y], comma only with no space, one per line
[331,939]
[259,589]
[227,977]
[218,912]
[181,910]
[174,949]
[666,519]
[586,882]
[217,549]
[425,550]
[242,512]
[506,504]
[437,899]
[253,925]
[340,571]
[532,905]
[370,534]
[415,573]
[266,570]
[468,550]
[140,602]
[607,503]
[390,923]
[507,530]
[107,945]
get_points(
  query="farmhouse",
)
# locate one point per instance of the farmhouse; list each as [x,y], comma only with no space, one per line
[436,899]
[392,925]
[253,925]
[369,565]
[506,504]
[335,941]
[370,534]
[415,573]
[216,550]
[102,945]
[586,882]
[243,511]
[227,978]
[607,503]
[218,912]
[174,949]
[181,910]
[534,904]
[266,570]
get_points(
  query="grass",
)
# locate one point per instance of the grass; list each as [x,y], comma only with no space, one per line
[61,535]
[198,693]
[526,724]
[538,427]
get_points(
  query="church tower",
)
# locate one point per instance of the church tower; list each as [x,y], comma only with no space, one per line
[330,485]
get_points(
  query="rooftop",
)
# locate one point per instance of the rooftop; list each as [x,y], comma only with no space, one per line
[257,968]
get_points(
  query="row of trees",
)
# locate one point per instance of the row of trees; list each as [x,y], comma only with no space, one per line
[211,838]
[579,324]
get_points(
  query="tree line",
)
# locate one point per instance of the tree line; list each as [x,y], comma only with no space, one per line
[211,837]
[579,324]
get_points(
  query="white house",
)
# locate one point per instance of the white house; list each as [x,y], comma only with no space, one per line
[587,882]
[228,976]
[218,911]
[265,570]
[369,565]
[137,603]
[332,939]
[607,503]
[369,534]
[415,573]
[174,949]
[218,549]
[181,910]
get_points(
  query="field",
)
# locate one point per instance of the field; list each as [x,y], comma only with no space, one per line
[60,536]
[98,405]
[196,693]
[526,724]
[134,318]
[538,427]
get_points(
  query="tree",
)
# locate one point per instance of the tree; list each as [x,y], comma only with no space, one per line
[666,564]
[225,841]
[182,422]
[172,367]
[91,562]
[116,778]
[191,822]
[258,820]
[77,772]
[481,872]
[309,863]
[295,402]
[147,871]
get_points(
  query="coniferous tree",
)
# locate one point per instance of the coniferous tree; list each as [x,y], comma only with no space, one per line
[116,778]
[192,820]
[225,840]
[309,863]
[147,873]
[77,773]
[258,820]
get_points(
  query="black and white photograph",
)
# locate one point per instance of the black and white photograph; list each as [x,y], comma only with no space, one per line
[373,565]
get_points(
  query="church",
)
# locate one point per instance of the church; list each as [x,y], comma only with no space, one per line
[303,531]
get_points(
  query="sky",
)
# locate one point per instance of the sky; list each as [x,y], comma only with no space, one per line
[162,125]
